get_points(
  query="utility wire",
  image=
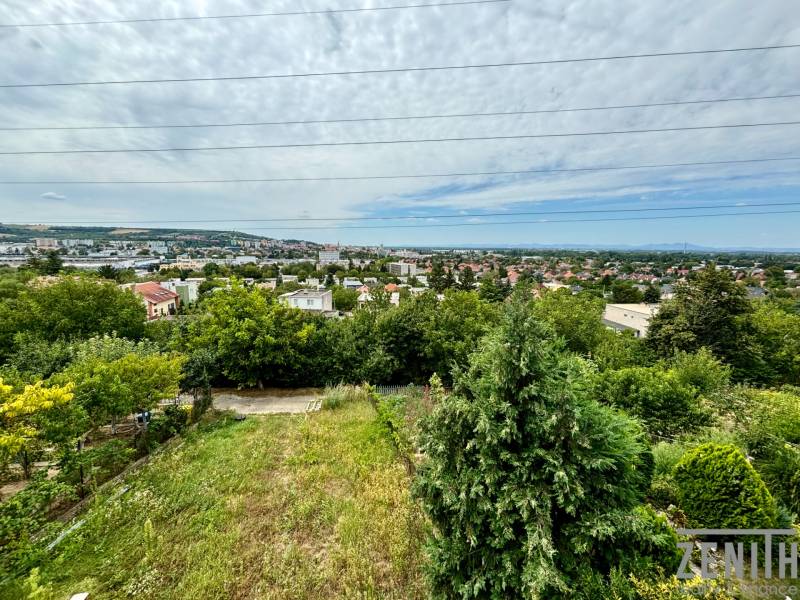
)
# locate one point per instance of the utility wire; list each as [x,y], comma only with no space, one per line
[400,118]
[402,69]
[250,15]
[393,142]
[440,216]
[539,221]
[411,176]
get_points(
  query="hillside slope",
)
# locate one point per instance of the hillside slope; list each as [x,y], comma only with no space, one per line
[273,507]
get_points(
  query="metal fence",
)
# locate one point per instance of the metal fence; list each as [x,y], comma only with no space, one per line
[400,390]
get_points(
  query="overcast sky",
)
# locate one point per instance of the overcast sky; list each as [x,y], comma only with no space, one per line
[520,30]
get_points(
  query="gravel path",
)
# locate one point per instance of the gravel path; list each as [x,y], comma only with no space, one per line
[269,401]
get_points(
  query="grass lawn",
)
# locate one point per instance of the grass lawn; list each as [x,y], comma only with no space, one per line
[273,507]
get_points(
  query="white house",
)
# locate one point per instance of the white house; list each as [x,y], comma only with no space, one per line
[635,317]
[313,300]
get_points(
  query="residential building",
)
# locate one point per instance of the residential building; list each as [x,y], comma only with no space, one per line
[187,289]
[401,269]
[351,283]
[311,300]
[634,317]
[159,301]
[328,256]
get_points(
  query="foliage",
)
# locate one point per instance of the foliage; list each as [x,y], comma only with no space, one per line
[711,311]
[455,326]
[778,333]
[517,478]
[21,516]
[38,358]
[676,589]
[623,292]
[22,416]
[701,370]
[344,299]
[719,488]
[256,338]
[617,350]
[769,426]
[577,318]
[111,385]
[97,464]
[75,308]
[660,398]
[493,288]
[466,279]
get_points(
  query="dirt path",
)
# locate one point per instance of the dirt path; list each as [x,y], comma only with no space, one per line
[268,401]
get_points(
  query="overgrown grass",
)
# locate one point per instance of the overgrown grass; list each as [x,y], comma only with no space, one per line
[344,394]
[273,507]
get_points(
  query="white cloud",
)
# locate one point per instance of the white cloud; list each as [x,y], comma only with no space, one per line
[52,196]
[386,39]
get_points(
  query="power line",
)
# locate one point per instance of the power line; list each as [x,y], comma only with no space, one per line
[250,15]
[434,216]
[393,142]
[409,176]
[402,118]
[402,69]
[539,221]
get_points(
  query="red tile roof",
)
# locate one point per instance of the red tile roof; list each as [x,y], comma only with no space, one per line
[154,293]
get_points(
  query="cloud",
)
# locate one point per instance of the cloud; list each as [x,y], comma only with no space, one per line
[52,196]
[514,31]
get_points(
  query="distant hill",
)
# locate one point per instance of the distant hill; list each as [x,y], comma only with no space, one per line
[24,233]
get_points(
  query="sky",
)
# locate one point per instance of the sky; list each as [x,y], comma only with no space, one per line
[518,30]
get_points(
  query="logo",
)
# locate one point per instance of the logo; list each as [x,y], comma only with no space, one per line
[755,565]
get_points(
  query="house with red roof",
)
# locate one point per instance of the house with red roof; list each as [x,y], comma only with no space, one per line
[159,301]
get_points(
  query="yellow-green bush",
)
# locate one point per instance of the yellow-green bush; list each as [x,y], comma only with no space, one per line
[718,487]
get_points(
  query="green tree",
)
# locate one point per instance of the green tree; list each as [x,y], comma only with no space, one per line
[114,377]
[623,292]
[22,416]
[711,311]
[75,308]
[777,332]
[467,279]
[526,481]
[652,295]
[492,288]
[344,299]
[257,339]
[436,278]
[107,272]
[577,318]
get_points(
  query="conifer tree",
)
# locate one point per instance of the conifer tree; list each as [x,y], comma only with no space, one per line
[526,481]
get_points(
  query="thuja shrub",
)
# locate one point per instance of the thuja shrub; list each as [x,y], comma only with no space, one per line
[529,483]
[719,488]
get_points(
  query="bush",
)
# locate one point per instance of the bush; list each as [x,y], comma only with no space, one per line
[665,404]
[99,464]
[24,514]
[675,589]
[171,423]
[782,474]
[701,370]
[719,488]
